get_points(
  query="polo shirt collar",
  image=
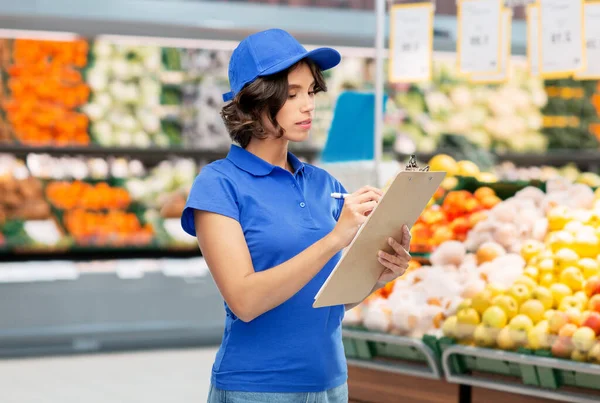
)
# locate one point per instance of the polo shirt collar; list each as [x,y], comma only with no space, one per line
[255,165]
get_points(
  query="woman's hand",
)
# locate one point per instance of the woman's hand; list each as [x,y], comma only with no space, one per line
[397,263]
[357,208]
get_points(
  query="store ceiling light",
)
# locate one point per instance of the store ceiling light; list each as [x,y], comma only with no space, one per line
[38,35]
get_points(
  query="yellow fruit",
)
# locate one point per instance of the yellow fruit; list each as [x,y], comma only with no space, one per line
[531,249]
[449,183]
[546,265]
[508,304]
[543,295]
[572,277]
[487,177]
[482,301]
[495,289]
[565,257]
[528,281]
[559,291]
[558,217]
[547,279]
[494,317]
[532,272]
[467,168]
[589,267]
[445,163]
[534,309]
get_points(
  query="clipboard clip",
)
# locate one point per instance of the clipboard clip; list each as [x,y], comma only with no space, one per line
[413,166]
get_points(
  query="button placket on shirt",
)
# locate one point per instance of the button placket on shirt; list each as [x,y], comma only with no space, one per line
[301,202]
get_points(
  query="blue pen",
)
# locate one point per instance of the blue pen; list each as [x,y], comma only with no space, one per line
[340,195]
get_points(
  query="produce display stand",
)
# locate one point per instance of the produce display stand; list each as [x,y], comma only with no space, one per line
[521,373]
[396,354]
[382,366]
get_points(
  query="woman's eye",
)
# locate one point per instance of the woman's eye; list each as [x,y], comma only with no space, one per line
[292,96]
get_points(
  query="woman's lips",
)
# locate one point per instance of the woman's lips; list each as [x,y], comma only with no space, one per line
[305,124]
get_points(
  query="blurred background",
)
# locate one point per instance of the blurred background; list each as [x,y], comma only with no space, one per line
[109,110]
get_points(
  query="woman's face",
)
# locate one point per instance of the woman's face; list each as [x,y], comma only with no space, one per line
[295,117]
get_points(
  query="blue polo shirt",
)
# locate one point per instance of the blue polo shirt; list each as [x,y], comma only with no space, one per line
[293,347]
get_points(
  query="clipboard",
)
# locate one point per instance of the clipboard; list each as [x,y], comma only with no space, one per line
[357,272]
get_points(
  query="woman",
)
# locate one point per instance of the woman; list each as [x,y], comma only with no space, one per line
[271,233]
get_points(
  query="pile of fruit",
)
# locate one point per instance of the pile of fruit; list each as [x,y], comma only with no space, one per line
[113,228]
[77,194]
[459,212]
[46,88]
[555,304]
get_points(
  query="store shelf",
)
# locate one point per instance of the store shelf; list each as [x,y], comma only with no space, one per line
[584,159]
[532,385]
[81,254]
[151,155]
[425,364]
[222,21]
[102,312]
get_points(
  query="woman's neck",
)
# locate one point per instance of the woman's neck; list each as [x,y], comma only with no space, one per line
[274,151]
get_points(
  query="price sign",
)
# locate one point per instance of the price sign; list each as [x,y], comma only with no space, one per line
[506,42]
[533,38]
[479,36]
[561,37]
[411,42]
[592,42]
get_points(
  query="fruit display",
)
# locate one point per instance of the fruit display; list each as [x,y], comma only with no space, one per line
[44,90]
[123,109]
[497,258]
[555,304]
[571,114]
[206,71]
[507,171]
[459,212]
[112,228]
[80,195]
[503,117]
[26,220]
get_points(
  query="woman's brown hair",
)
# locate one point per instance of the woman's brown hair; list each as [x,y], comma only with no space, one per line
[243,115]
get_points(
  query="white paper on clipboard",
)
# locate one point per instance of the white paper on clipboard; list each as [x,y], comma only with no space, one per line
[357,272]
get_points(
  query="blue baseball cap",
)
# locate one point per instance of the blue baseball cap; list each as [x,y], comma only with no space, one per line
[269,52]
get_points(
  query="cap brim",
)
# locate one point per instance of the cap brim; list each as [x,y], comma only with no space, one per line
[324,58]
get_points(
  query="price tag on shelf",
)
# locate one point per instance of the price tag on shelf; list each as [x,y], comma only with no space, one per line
[592,42]
[506,41]
[479,36]
[533,39]
[562,43]
[411,42]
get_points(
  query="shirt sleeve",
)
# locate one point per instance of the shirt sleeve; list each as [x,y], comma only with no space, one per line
[214,192]
[338,188]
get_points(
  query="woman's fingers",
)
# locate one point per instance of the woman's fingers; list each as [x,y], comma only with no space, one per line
[398,263]
[399,248]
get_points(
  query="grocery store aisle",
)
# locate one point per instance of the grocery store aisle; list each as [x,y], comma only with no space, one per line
[180,376]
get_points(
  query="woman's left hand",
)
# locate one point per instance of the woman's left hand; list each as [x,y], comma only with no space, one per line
[397,263]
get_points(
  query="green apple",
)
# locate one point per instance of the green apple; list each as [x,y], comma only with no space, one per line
[534,309]
[583,339]
[559,291]
[508,304]
[543,295]
[485,336]
[572,277]
[520,292]
[494,317]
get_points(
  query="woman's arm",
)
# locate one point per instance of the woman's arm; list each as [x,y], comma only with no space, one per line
[249,294]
